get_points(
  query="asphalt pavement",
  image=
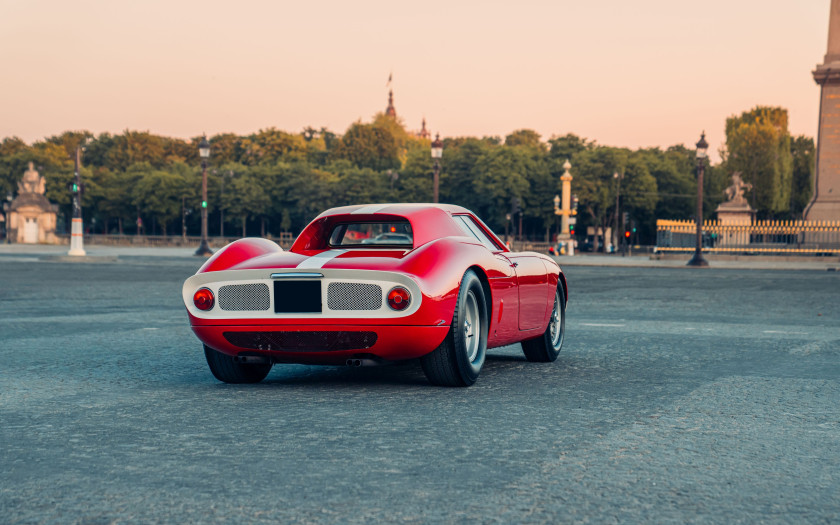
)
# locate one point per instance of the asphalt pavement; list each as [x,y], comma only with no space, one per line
[680,396]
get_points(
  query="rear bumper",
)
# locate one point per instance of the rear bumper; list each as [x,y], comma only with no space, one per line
[322,344]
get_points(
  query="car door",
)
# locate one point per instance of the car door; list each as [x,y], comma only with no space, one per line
[532,283]
[504,321]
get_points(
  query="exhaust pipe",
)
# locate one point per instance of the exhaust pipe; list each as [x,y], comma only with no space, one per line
[251,359]
[366,362]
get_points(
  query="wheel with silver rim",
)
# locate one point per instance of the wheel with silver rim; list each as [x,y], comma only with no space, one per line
[472,327]
[459,358]
[547,347]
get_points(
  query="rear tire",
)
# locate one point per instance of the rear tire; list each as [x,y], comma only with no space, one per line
[226,369]
[459,358]
[546,348]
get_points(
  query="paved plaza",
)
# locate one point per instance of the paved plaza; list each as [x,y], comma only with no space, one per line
[681,395]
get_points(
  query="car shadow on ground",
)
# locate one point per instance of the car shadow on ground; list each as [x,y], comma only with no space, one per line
[407,374]
[404,374]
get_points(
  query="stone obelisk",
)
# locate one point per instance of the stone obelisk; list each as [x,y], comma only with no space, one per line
[825,204]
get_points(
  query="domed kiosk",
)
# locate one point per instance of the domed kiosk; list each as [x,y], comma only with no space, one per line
[31,218]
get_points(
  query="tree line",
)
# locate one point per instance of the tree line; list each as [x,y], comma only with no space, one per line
[273,180]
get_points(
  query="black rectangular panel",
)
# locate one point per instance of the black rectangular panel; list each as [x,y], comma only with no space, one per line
[297,297]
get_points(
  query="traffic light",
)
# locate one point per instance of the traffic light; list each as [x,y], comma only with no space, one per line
[203,204]
[627,235]
[574,204]
[75,188]
[572,229]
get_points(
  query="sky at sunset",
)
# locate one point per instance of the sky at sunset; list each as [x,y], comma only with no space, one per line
[635,74]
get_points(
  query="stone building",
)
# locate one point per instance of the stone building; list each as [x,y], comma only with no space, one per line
[31,217]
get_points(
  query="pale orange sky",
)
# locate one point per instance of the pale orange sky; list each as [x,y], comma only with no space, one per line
[641,73]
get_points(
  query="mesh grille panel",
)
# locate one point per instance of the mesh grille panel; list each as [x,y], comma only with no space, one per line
[303,341]
[252,296]
[354,296]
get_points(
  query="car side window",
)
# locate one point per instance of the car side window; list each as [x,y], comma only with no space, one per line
[471,229]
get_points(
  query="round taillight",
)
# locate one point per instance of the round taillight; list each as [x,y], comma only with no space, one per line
[399,298]
[203,299]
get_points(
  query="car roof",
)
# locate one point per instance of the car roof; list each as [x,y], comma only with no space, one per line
[405,209]
[428,221]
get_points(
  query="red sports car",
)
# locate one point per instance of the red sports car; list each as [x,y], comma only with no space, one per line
[368,285]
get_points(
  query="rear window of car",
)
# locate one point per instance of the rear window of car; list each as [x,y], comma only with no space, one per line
[372,234]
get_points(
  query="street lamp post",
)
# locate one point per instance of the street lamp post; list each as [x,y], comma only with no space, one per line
[617,176]
[77,245]
[437,154]
[204,151]
[702,147]
[7,207]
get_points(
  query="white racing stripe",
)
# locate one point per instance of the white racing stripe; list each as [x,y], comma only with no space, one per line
[318,261]
[368,209]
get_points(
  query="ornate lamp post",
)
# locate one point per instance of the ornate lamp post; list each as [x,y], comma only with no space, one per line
[204,151]
[437,154]
[702,148]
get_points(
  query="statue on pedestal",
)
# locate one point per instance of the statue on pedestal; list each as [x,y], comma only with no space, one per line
[32,182]
[735,214]
[735,193]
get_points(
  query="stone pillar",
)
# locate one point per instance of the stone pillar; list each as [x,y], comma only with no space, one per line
[825,204]
[567,199]
[565,209]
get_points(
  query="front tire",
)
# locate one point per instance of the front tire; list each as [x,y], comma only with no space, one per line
[226,369]
[459,358]
[546,348]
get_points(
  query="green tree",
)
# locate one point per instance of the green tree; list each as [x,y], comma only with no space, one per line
[416,183]
[134,147]
[70,140]
[674,173]
[804,167]
[525,137]
[270,146]
[14,154]
[360,186]
[249,200]
[596,187]
[567,147]
[498,177]
[758,146]
[159,193]
[96,150]
[369,146]
[111,195]
[302,191]
[225,148]
[456,180]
